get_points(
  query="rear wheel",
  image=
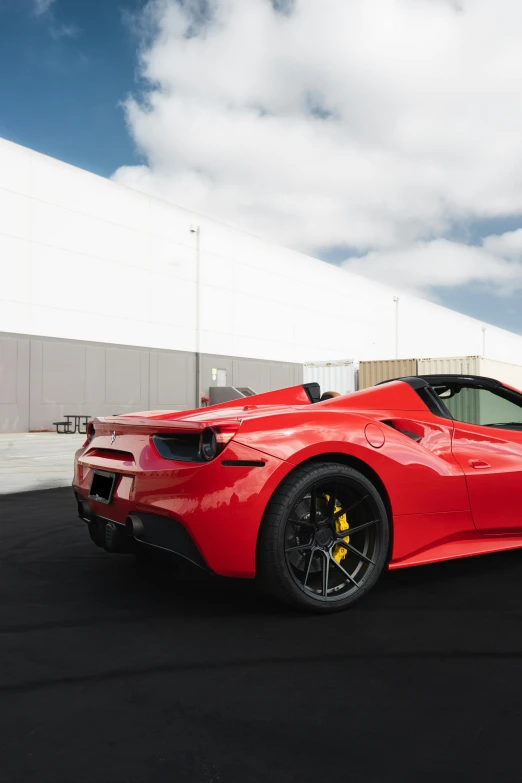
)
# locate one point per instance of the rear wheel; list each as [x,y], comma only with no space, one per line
[324,538]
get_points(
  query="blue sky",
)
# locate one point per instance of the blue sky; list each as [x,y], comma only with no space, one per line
[68,68]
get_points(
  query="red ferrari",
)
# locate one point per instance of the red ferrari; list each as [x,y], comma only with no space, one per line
[312,496]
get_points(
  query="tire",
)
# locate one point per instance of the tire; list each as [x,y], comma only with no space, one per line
[300,548]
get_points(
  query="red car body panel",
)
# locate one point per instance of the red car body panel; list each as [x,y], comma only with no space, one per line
[220,507]
[492,464]
[428,482]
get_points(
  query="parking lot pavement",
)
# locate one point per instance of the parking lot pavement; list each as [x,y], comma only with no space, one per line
[113,672]
[36,460]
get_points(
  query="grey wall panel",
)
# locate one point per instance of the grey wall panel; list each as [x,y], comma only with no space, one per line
[118,380]
[37,414]
[153,381]
[95,381]
[57,381]
[283,375]
[8,371]
[126,387]
[172,380]
[74,377]
[253,373]
[42,379]
[123,377]
[63,373]
[14,385]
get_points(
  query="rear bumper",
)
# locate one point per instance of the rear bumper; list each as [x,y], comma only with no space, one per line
[154,531]
[208,513]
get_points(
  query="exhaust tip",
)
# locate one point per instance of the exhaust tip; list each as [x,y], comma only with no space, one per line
[84,511]
[134,527]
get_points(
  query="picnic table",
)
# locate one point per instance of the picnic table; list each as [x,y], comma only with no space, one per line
[73,422]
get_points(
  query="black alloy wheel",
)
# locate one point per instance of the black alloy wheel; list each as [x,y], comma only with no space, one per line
[324,538]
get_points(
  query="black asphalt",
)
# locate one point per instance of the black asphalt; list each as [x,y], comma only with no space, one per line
[113,672]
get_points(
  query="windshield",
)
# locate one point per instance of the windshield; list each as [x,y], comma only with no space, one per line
[474,405]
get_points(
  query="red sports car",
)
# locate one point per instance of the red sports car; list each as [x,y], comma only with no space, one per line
[313,497]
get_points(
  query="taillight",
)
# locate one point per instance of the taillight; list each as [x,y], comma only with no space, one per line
[214,439]
[90,433]
[208,447]
[224,434]
[195,446]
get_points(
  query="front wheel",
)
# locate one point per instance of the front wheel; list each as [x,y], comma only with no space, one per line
[324,538]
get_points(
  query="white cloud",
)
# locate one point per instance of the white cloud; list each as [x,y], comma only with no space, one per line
[508,245]
[45,8]
[64,31]
[367,124]
[42,6]
[416,268]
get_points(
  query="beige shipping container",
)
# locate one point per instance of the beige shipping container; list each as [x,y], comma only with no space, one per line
[450,365]
[473,365]
[502,371]
[371,373]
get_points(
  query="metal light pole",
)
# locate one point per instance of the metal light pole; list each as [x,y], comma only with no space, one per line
[396,300]
[195,229]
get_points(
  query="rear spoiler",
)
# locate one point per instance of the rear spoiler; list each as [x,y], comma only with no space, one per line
[304,394]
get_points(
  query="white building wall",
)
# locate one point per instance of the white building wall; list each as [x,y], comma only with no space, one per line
[84,258]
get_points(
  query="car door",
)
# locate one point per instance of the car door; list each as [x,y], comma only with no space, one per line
[487,444]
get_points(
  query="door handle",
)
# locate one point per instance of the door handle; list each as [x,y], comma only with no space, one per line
[479,463]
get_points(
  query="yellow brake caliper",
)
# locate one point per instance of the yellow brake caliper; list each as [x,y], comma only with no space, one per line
[339,552]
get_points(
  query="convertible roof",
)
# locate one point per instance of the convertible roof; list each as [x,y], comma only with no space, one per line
[420,381]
